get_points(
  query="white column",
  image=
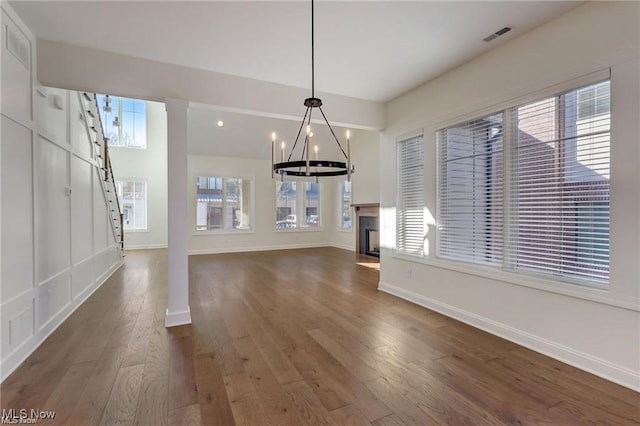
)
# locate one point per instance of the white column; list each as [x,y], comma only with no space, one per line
[178,281]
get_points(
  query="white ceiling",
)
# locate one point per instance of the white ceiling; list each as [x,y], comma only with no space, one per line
[369,50]
[244,136]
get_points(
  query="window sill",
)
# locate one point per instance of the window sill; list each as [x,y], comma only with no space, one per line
[127,148]
[586,292]
[305,229]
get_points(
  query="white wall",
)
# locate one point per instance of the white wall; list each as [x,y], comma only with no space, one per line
[263,235]
[365,151]
[57,244]
[598,331]
[149,165]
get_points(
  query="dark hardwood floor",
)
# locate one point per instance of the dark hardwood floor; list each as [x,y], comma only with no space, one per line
[291,338]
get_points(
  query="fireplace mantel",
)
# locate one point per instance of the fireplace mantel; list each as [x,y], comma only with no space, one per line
[364,210]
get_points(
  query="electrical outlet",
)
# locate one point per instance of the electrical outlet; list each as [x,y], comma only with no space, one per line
[409,273]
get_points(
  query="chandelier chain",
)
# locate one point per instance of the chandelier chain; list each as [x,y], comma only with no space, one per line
[313,81]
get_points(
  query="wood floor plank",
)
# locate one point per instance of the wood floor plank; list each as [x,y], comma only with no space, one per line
[121,407]
[506,402]
[216,330]
[186,416]
[328,390]
[344,357]
[405,411]
[90,405]
[212,395]
[183,390]
[309,408]
[278,362]
[152,404]
[275,343]
[247,410]
[275,403]
[350,416]
[391,420]
[431,395]
[66,394]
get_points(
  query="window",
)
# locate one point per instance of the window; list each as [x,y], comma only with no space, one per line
[410,191]
[297,205]
[344,219]
[223,204]
[124,121]
[555,217]
[470,191]
[133,199]
[594,100]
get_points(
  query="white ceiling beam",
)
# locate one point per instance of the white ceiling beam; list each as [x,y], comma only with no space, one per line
[80,68]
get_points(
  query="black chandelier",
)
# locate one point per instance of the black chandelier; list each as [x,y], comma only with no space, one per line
[306,166]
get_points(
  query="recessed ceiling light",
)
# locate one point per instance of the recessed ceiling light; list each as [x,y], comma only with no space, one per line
[220,123]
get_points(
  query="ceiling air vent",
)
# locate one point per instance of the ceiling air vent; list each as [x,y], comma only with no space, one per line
[497,34]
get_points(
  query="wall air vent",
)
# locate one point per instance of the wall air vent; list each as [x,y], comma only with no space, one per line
[497,34]
[18,45]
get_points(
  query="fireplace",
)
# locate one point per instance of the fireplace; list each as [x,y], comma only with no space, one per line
[372,242]
[367,229]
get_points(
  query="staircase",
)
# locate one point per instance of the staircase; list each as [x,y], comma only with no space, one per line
[101,154]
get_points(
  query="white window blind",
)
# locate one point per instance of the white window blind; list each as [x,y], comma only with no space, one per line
[560,185]
[471,191]
[410,190]
[553,218]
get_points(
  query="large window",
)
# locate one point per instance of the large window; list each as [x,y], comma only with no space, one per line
[470,191]
[223,204]
[344,219]
[297,205]
[410,192]
[553,218]
[124,121]
[132,195]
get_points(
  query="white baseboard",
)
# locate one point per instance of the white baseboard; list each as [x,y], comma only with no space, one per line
[602,368]
[344,247]
[261,248]
[144,247]
[174,319]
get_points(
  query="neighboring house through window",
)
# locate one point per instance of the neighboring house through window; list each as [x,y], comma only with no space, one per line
[223,204]
[554,217]
[132,195]
[297,205]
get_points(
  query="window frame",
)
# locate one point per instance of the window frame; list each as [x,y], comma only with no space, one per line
[223,230]
[121,180]
[493,275]
[507,271]
[120,127]
[340,209]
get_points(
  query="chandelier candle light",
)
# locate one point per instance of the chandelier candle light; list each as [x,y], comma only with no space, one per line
[306,167]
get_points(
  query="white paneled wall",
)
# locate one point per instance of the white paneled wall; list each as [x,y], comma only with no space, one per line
[57,242]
